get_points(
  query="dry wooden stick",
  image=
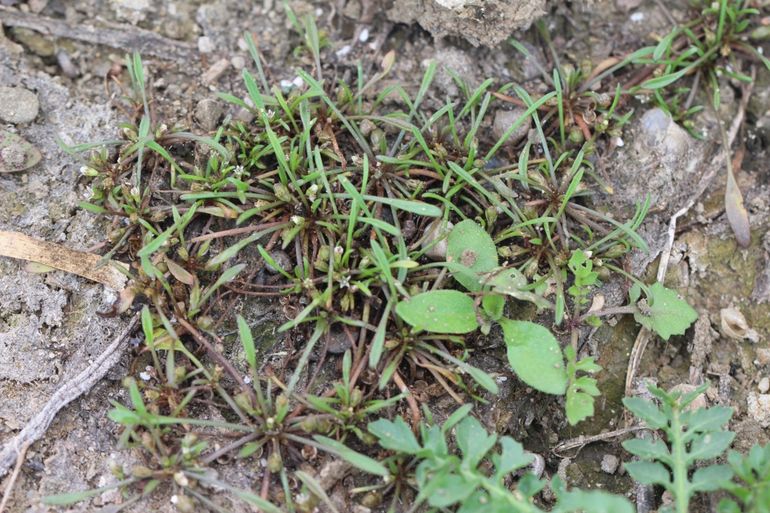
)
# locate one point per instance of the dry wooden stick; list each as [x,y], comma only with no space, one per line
[14,475]
[71,390]
[115,35]
[23,247]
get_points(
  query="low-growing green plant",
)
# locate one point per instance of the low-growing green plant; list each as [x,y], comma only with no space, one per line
[692,436]
[751,483]
[476,477]
[533,352]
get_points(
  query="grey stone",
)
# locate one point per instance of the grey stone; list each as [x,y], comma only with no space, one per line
[18,105]
[504,120]
[338,341]
[610,463]
[13,157]
[759,408]
[480,22]
[208,112]
[132,11]
[205,44]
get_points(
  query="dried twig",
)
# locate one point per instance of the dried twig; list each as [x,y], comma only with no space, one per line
[23,247]
[71,390]
[581,441]
[14,476]
[115,35]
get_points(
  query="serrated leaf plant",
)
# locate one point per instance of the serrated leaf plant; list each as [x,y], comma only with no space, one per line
[691,437]
[750,487]
[473,474]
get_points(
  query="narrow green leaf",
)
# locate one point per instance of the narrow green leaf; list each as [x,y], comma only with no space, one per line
[247,340]
[356,459]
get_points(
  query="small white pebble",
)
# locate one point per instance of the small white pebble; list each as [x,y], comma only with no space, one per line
[297,82]
[610,463]
[205,44]
[764,385]
[364,35]
[286,84]
[637,17]
[342,52]
[319,12]
[619,142]
[246,380]
[145,376]
[174,499]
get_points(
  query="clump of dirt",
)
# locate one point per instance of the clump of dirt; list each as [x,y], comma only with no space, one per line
[479,22]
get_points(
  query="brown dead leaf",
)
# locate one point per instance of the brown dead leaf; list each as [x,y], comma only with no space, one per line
[23,247]
[737,215]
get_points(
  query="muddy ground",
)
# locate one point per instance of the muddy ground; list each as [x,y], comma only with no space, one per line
[48,326]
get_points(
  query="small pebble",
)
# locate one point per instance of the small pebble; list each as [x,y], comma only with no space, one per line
[208,112]
[610,463]
[537,465]
[759,408]
[364,35]
[764,385]
[215,71]
[67,66]
[504,119]
[18,105]
[238,62]
[345,50]
[339,342]
[205,44]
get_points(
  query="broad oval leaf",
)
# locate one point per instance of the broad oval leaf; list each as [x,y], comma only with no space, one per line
[440,311]
[664,312]
[394,435]
[471,246]
[535,356]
